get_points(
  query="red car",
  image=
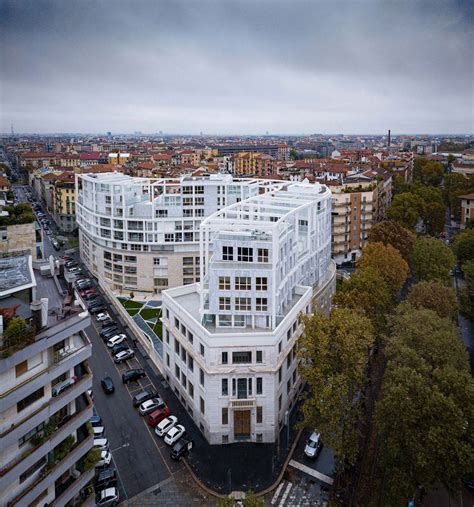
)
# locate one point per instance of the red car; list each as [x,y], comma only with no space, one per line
[87,292]
[158,415]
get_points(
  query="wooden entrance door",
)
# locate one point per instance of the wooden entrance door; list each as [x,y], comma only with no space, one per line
[242,423]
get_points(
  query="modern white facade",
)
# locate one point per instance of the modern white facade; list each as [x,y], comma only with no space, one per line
[143,233]
[229,342]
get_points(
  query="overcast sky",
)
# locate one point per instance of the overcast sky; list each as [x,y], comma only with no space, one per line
[224,66]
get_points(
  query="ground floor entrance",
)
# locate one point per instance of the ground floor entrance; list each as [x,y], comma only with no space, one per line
[242,424]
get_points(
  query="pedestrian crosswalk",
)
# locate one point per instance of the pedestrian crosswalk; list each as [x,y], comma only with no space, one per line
[294,494]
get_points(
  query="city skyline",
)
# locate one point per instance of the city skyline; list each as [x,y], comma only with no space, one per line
[236,68]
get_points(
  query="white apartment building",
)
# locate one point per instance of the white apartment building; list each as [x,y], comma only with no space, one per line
[143,233]
[230,341]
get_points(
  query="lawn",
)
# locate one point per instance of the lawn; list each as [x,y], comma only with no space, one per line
[129,304]
[147,313]
[150,313]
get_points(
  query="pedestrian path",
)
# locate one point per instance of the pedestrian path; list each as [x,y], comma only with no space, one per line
[310,471]
[294,494]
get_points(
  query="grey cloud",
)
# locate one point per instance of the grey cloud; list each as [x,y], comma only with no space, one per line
[236,67]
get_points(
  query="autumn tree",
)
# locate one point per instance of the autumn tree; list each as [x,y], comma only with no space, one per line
[432,259]
[334,353]
[406,209]
[366,290]
[455,185]
[434,218]
[392,233]
[425,415]
[434,296]
[387,262]
[463,246]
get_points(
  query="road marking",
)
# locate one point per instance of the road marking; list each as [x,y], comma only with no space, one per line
[120,478]
[285,494]
[310,471]
[277,493]
[127,444]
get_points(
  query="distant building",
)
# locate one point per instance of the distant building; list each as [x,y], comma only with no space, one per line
[254,164]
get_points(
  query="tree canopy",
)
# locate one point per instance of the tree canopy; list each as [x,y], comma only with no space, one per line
[455,185]
[434,296]
[434,218]
[387,262]
[406,209]
[432,259]
[425,415]
[334,354]
[392,233]
[463,246]
[428,171]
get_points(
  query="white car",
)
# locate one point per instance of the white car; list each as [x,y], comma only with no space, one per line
[124,355]
[102,316]
[165,425]
[105,459]
[149,406]
[313,445]
[174,434]
[101,443]
[115,340]
[98,431]
[108,496]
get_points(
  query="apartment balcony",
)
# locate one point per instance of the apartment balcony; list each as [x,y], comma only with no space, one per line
[49,475]
[12,434]
[11,472]
[72,487]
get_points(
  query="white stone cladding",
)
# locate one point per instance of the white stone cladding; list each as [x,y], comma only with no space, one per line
[229,342]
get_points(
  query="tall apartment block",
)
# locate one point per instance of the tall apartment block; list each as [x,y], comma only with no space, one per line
[143,233]
[44,383]
[230,341]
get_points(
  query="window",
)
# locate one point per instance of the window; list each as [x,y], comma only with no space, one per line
[288,361]
[224,283]
[239,320]
[21,368]
[288,334]
[190,363]
[167,360]
[294,375]
[241,357]
[33,468]
[259,356]
[176,346]
[224,357]
[202,405]
[191,389]
[156,261]
[243,304]
[243,283]
[201,349]
[183,354]
[227,253]
[190,337]
[31,398]
[279,402]
[201,376]
[279,347]
[225,387]
[261,305]
[261,283]
[279,374]
[225,416]
[244,254]
[177,371]
[288,386]
[188,261]
[259,387]
[262,255]
[259,415]
[161,282]
[224,303]
[176,323]
[25,438]
[183,379]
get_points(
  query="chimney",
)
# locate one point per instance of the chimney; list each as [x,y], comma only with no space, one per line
[39,308]
[388,140]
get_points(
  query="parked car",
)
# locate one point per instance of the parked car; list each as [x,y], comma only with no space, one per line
[133,375]
[96,420]
[88,292]
[97,309]
[313,445]
[149,406]
[102,316]
[118,338]
[91,296]
[62,386]
[99,431]
[118,348]
[147,394]
[158,415]
[107,497]
[123,355]
[107,385]
[174,434]
[101,443]
[109,331]
[106,479]
[181,448]
[165,425]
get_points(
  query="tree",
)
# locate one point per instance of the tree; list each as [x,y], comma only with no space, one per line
[451,158]
[387,262]
[434,296]
[425,415]
[434,218]
[406,209]
[427,193]
[432,259]
[432,173]
[463,246]
[454,186]
[334,353]
[392,233]
[466,295]
[366,290]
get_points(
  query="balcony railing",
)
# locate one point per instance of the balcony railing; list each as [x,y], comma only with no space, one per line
[243,403]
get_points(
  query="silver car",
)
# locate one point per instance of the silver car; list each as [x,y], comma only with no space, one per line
[313,445]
